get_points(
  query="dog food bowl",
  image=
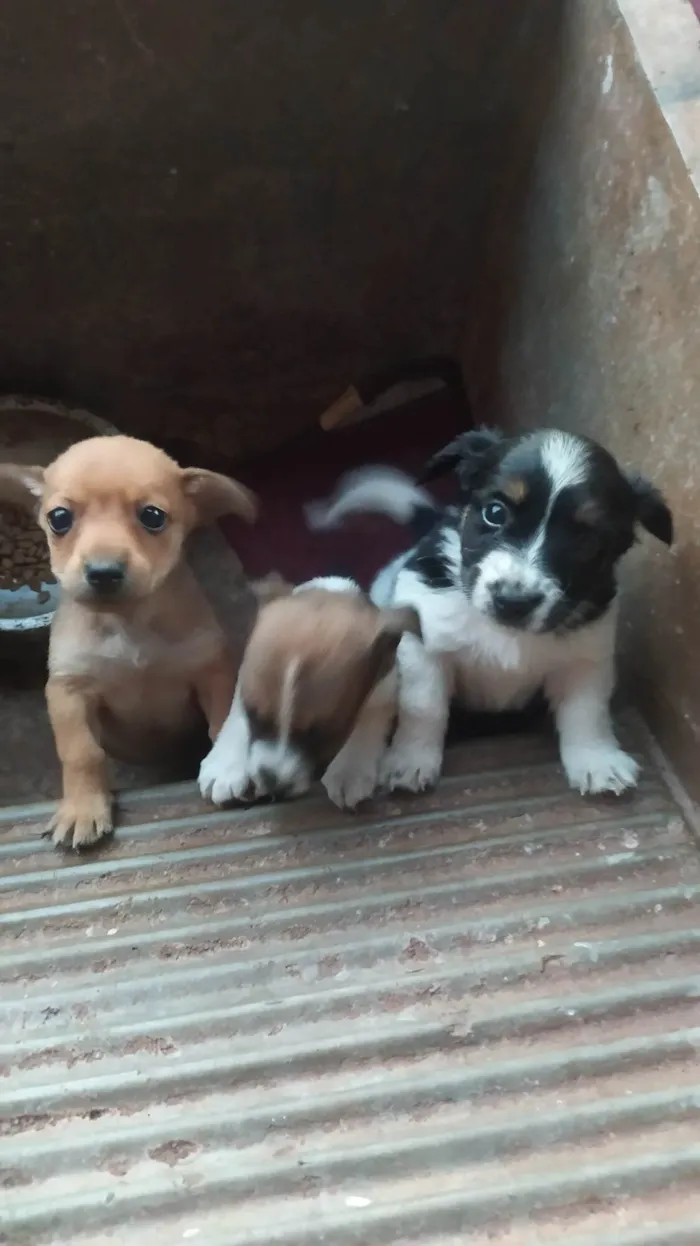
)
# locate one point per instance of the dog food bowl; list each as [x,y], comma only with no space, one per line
[32,431]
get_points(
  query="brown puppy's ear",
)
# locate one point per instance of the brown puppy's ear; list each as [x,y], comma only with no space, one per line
[393,624]
[21,485]
[214,495]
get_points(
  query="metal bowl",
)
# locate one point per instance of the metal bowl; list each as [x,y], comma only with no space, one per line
[25,612]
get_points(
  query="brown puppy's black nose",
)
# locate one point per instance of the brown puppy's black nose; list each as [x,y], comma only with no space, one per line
[105,576]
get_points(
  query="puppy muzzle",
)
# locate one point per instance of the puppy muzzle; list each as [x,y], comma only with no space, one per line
[105,577]
[512,593]
[512,605]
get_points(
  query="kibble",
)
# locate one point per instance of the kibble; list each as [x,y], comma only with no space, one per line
[24,554]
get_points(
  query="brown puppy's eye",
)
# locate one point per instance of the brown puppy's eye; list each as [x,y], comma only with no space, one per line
[60,520]
[152,518]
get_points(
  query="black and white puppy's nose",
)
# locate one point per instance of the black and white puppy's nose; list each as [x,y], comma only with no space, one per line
[513,605]
[105,576]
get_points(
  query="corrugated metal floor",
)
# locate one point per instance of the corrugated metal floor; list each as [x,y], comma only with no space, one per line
[469,1018]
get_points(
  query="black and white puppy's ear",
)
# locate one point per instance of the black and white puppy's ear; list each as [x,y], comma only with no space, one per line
[653,513]
[470,456]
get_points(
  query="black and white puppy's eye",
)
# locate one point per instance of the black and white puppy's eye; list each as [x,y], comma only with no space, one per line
[60,520]
[152,518]
[495,514]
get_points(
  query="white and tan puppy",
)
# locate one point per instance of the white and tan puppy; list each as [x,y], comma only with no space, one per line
[316,696]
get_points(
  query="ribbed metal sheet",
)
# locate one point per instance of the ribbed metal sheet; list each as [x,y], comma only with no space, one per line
[471,1018]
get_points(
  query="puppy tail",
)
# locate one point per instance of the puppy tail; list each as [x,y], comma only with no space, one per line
[374,490]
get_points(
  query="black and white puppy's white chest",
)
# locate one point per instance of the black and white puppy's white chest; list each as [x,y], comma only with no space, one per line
[486,666]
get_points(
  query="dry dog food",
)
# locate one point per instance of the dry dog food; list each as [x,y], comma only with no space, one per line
[24,554]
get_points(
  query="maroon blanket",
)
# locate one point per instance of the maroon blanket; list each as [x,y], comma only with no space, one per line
[309,468]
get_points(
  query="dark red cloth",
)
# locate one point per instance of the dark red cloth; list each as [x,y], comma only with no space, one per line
[309,468]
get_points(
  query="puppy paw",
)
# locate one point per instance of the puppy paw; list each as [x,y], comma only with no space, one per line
[81,823]
[410,768]
[348,784]
[223,778]
[597,768]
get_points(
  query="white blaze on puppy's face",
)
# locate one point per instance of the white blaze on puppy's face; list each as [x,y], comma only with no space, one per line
[565,460]
[275,763]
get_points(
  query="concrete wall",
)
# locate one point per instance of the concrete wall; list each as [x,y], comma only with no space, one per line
[215,214]
[593,282]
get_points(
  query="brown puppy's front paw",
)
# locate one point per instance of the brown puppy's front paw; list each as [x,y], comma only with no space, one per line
[81,823]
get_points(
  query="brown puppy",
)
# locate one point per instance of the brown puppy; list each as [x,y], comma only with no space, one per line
[316,694]
[136,653]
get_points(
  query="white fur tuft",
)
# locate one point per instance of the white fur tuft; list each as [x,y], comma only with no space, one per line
[381,490]
[565,459]
[329,584]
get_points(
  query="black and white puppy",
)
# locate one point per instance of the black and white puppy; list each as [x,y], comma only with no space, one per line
[516,592]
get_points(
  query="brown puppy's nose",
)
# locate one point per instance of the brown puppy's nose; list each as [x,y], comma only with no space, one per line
[104,575]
